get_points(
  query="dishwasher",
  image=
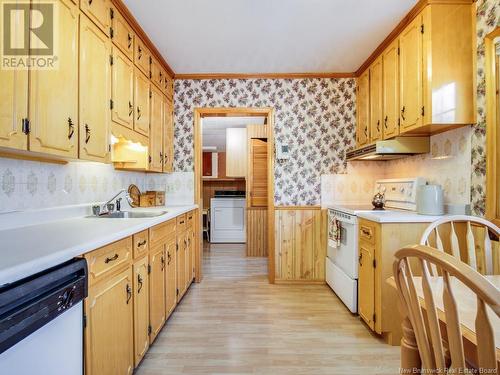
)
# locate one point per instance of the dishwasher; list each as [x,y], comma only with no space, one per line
[41,322]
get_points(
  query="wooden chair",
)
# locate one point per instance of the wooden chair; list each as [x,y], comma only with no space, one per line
[427,333]
[458,234]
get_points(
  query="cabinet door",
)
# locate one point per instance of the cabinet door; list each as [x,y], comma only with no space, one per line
[236,152]
[390,78]
[376,100]
[363,109]
[181,265]
[169,86]
[366,284]
[123,35]
[141,309]
[410,65]
[95,91]
[258,172]
[122,89]
[99,11]
[141,100]
[156,136]
[142,57]
[157,74]
[171,277]
[53,102]
[13,108]
[109,345]
[157,290]
[189,258]
[168,136]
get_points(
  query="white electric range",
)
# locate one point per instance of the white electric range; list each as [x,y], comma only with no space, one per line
[342,252]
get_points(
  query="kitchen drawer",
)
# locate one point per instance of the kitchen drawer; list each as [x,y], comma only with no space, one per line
[108,259]
[181,223]
[190,219]
[141,243]
[161,232]
[367,231]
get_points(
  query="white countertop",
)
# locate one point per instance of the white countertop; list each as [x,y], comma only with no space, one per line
[396,216]
[26,250]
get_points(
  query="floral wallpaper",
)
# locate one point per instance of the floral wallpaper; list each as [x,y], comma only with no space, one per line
[315,116]
[487,18]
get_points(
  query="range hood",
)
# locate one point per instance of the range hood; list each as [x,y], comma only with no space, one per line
[391,149]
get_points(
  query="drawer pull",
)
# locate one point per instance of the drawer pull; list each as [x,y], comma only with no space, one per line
[139,281]
[129,293]
[114,257]
[366,232]
[181,222]
[142,243]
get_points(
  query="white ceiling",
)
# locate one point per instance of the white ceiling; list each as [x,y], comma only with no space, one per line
[267,36]
[214,129]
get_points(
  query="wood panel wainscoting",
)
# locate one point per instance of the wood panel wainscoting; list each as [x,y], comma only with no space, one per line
[300,244]
[257,232]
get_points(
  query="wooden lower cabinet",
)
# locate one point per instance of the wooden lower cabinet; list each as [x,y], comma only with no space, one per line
[157,292]
[377,300]
[171,277]
[109,332]
[181,264]
[141,309]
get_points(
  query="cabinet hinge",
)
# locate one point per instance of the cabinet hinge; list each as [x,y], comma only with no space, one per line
[374,318]
[177,291]
[374,263]
[111,13]
[109,148]
[111,33]
[423,111]
[150,60]
[149,269]
[110,103]
[422,28]
[399,121]
[150,159]
[26,128]
[84,321]
[399,51]
[110,59]
[176,247]
[150,329]
[150,92]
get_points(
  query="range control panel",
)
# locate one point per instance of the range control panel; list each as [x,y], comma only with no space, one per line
[400,192]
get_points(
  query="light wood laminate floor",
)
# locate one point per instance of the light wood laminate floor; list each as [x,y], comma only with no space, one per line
[234,322]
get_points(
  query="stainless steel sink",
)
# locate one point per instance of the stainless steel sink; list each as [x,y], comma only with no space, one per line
[130,215]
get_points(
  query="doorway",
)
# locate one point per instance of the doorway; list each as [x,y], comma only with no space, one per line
[234,157]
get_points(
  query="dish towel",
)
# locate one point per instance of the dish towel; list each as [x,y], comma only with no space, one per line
[336,232]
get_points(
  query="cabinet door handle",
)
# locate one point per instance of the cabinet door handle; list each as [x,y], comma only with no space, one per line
[90,2]
[129,293]
[87,133]
[71,128]
[162,259]
[110,259]
[138,113]
[169,258]
[360,259]
[366,131]
[385,121]
[403,113]
[139,281]
[142,243]
[130,109]
[129,40]
[378,126]
[139,50]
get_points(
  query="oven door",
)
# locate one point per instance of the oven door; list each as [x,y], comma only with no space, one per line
[344,254]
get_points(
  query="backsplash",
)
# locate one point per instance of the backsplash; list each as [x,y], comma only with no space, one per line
[448,164]
[32,185]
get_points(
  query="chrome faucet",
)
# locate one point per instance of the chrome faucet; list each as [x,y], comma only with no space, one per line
[109,206]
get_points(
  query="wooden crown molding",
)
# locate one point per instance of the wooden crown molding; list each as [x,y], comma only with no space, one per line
[200,76]
[122,8]
[410,16]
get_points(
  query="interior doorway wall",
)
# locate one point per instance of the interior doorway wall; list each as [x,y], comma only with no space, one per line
[199,114]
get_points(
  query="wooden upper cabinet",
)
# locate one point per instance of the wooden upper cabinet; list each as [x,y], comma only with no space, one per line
[257,184]
[99,11]
[410,65]
[376,100]
[168,86]
[363,109]
[13,108]
[236,152]
[142,57]
[53,108]
[122,34]
[142,103]
[122,89]
[157,74]
[168,137]
[390,90]
[109,345]
[141,309]
[156,135]
[95,91]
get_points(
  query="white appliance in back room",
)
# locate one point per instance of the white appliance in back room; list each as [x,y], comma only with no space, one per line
[342,253]
[228,217]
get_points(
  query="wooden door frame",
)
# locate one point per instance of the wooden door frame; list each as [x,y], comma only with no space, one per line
[200,113]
